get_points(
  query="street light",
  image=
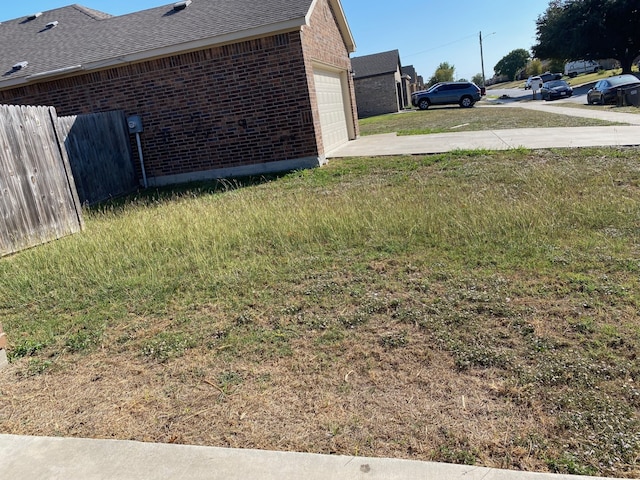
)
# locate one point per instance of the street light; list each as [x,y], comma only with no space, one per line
[484,83]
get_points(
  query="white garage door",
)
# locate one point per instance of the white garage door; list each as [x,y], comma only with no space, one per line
[333,119]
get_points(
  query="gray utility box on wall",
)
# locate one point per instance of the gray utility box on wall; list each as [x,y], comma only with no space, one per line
[134,122]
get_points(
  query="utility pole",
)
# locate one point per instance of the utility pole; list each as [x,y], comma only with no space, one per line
[484,83]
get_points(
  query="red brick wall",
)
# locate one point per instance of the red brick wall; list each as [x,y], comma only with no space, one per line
[323,43]
[222,107]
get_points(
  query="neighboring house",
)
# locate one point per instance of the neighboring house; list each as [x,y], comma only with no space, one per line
[415,80]
[379,84]
[223,87]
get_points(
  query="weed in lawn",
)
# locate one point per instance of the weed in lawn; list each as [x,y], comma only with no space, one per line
[166,346]
[455,449]
[25,348]
[37,366]
[567,463]
[332,336]
[394,340]
[604,432]
[229,380]
[82,340]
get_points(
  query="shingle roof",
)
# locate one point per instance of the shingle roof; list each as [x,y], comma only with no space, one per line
[93,13]
[86,37]
[375,64]
[411,71]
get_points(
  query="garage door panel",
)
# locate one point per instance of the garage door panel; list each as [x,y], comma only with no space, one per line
[333,119]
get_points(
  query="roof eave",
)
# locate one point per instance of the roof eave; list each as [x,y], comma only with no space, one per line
[344,26]
[266,30]
[341,18]
[283,27]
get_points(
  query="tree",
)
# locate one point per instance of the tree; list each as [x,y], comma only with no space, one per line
[556,65]
[511,63]
[591,30]
[534,67]
[477,79]
[444,73]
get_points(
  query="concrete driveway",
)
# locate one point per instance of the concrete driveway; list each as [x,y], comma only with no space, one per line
[533,138]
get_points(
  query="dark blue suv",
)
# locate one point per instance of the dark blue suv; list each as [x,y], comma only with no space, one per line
[465,94]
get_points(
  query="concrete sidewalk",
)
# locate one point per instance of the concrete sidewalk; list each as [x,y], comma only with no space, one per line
[604,136]
[392,144]
[45,458]
[597,113]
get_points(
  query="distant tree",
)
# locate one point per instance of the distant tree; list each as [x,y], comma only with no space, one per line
[477,79]
[556,65]
[534,67]
[444,73]
[590,29]
[511,63]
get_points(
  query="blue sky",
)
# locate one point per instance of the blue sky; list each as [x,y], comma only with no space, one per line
[426,33]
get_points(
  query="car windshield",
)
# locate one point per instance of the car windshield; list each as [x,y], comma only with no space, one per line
[555,83]
[623,79]
[433,87]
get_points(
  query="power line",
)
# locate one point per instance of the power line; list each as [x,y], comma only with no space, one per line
[440,46]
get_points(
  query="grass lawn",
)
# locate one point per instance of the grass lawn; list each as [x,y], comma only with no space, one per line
[578,80]
[472,307]
[606,108]
[456,119]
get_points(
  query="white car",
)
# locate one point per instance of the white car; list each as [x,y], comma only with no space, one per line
[530,81]
[542,78]
[577,67]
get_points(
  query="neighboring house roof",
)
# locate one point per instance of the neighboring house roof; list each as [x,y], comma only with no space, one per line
[375,64]
[411,71]
[85,39]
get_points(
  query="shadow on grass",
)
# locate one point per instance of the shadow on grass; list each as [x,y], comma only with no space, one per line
[154,196]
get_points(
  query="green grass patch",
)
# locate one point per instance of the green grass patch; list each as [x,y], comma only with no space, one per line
[454,119]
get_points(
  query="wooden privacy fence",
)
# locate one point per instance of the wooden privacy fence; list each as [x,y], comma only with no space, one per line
[38,198]
[99,150]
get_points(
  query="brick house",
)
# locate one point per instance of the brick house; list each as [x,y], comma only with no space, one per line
[380,85]
[415,81]
[223,87]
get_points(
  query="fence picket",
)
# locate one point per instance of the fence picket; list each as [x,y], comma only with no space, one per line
[37,194]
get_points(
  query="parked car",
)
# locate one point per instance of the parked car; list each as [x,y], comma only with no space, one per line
[606,90]
[465,94]
[543,77]
[555,89]
[575,68]
[532,80]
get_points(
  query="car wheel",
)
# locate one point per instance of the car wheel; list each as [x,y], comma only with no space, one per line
[466,102]
[423,104]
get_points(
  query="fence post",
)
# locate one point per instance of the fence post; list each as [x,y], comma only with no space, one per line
[3,348]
